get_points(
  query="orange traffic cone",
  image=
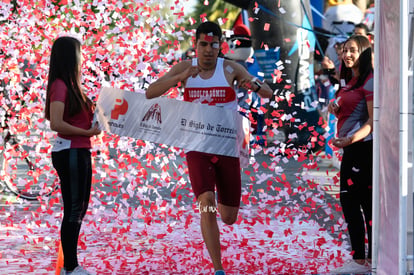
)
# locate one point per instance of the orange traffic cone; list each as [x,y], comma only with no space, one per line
[59,263]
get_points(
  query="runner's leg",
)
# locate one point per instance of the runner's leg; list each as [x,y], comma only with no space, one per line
[209,227]
[228,214]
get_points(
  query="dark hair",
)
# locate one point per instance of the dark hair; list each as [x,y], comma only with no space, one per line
[64,64]
[364,61]
[362,26]
[209,27]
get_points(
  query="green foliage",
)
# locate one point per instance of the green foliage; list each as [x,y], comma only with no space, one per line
[217,11]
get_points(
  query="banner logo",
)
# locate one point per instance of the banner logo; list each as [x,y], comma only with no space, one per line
[120,108]
[154,114]
[151,122]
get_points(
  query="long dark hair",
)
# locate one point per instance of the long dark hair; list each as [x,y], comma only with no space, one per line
[64,64]
[364,61]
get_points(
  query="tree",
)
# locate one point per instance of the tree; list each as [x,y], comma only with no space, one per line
[218,11]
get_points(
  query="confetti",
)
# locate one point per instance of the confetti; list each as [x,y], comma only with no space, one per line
[142,215]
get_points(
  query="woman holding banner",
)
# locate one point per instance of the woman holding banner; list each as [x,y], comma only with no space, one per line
[354,109]
[209,79]
[70,113]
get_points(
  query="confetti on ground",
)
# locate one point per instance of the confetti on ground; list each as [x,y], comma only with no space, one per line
[285,230]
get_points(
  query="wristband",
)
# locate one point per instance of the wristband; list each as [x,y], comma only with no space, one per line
[258,84]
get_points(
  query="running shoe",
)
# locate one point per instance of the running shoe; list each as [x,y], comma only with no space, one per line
[351,266]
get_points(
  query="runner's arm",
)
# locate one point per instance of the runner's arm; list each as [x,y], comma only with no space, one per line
[178,73]
[249,82]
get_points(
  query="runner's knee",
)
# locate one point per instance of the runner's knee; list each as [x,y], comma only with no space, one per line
[228,214]
[228,219]
[207,203]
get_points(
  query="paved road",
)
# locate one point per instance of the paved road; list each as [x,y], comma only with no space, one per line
[142,218]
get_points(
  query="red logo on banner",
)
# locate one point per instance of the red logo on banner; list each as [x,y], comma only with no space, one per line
[120,108]
[154,113]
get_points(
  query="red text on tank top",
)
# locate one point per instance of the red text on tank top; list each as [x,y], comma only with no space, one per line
[210,95]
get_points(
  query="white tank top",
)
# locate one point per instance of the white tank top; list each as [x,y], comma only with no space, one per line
[213,91]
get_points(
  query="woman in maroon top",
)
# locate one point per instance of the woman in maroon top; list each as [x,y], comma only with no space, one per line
[70,113]
[353,108]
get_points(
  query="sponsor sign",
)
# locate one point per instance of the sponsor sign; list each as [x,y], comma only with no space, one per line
[191,126]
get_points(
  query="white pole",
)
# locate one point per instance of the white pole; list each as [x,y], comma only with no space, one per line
[375,165]
[410,121]
[403,154]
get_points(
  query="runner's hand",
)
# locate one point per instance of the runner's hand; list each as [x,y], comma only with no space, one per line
[248,84]
[190,71]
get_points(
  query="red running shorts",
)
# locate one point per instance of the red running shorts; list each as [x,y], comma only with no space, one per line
[209,172]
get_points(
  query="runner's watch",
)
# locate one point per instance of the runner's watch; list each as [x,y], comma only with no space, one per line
[258,84]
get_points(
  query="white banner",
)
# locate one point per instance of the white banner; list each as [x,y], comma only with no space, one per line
[191,126]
